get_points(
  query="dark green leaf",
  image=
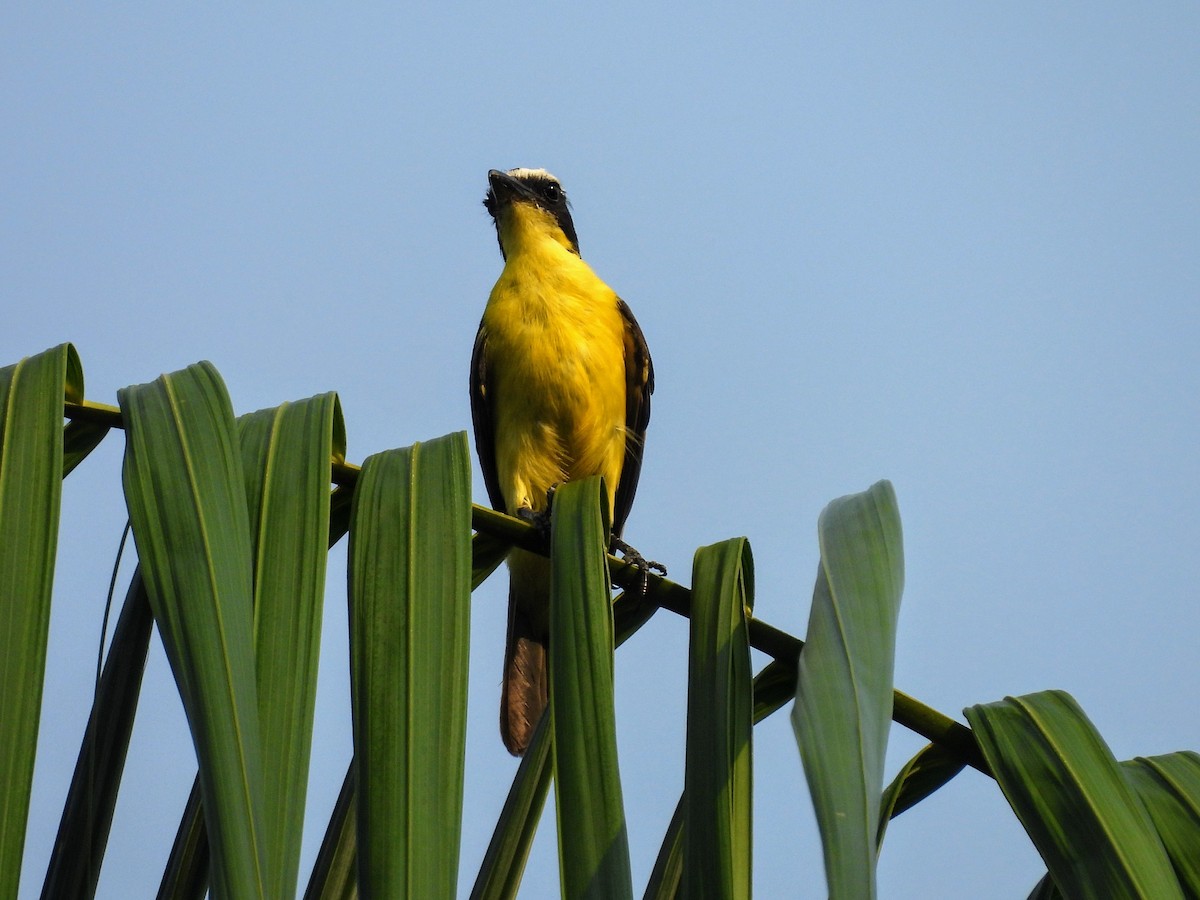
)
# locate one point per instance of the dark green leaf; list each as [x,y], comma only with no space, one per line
[335,873]
[930,769]
[666,878]
[31,471]
[1170,788]
[1045,889]
[717,770]
[80,439]
[774,687]
[1062,781]
[593,845]
[187,504]
[487,552]
[286,453]
[186,874]
[502,866]
[87,814]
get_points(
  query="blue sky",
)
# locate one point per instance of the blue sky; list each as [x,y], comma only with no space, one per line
[952,245]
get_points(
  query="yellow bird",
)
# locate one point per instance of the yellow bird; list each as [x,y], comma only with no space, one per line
[560,388]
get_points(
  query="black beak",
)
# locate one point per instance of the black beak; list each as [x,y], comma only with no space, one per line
[504,189]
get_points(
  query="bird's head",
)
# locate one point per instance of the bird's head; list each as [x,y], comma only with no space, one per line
[529,205]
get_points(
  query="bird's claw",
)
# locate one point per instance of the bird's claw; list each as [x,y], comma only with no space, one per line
[639,562]
[541,518]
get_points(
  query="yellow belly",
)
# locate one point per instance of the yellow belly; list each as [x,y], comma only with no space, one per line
[556,378]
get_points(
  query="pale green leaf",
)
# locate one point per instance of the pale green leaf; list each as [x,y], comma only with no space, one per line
[843,705]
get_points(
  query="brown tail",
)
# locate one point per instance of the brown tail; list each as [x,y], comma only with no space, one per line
[525,694]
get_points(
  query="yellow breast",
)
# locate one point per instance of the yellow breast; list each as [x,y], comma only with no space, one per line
[556,375]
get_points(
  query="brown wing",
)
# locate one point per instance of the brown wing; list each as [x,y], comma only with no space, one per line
[481,418]
[639,385]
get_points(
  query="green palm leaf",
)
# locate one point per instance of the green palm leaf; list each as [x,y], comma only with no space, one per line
[87,814]
[717,770]
[410,580]
[930,769]
[593,846]
[185,876]
[335,873]
[1170,787]
[286,452]
[773,687]
[187,504]
[1045,889]
[504,862]
[285,458]
[31,472]
[80,439]
[1062,781]
[844,689]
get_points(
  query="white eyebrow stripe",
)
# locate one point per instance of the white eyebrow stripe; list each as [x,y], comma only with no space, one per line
[521,173]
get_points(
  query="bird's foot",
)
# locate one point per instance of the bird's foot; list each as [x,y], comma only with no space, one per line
[639,562]
[540,520]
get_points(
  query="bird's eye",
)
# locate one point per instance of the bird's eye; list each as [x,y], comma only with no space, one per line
[552,192]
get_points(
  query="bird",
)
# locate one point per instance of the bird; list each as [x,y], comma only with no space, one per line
[561,379]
